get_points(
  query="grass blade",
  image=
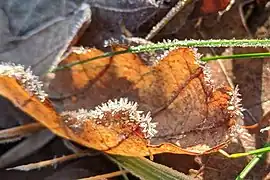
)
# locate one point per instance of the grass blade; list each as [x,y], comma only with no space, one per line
[252,163]
[146,169]
[237,56]
[179,43]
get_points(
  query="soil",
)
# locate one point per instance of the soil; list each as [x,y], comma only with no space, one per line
[252,77]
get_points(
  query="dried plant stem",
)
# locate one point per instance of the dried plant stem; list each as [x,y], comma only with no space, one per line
[16,133]
[157,28]
[50,162]
[25,148]
[125,177]
[105,176]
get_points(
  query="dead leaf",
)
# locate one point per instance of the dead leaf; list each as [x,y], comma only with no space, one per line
[185,107]
[186,112]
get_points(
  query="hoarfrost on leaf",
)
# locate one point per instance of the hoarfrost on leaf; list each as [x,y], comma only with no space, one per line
[235,104]
[114,108]
[25,77]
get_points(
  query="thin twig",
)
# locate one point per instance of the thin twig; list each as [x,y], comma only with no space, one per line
[123,175]
[160,25]
[16,133]
[26,147]
[50,162]
[105,176]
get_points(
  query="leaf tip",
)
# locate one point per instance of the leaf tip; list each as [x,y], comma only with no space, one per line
[25,77]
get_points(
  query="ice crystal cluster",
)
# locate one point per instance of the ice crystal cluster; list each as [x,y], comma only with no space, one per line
[206,69]
[265,129]
[111,42]
[80,50]
[151,57]
[25,77]
[157,3]
[114,108]
[235,104]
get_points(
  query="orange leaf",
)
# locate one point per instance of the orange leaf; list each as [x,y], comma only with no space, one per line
[183,104]
[188,116]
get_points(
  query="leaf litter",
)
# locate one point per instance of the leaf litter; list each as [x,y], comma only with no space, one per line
[74,98]
[163,90]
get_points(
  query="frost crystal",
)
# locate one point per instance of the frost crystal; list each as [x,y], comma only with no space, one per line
[151,57]
[111,42]
[206,69]
[114,108]
[148,126]
[235,105]
[265,129]
[25,77]
[80,50]
[156,3]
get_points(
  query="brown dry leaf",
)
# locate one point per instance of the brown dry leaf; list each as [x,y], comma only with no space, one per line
[187,114]
[187,111]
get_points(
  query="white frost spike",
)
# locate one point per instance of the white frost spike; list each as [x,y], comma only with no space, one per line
[150,57]
[265,129]
[206,69]
[235,104]
[29,81]
[111,42]
[149,128]
[113,107]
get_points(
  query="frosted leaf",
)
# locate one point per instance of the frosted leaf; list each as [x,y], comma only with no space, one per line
[25,77]
[114,108]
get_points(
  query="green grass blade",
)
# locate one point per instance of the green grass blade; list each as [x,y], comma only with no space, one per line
[252,163]
[107,54]
[237,56]
[203,43]
[265,149]
[179,43]
[146,169]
